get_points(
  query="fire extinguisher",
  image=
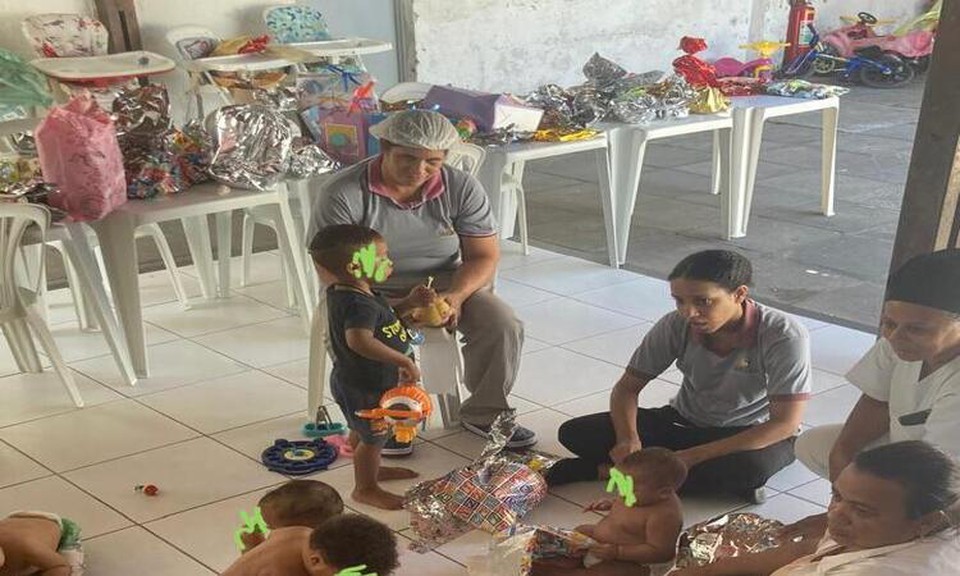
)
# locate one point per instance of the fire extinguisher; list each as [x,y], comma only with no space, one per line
[798,29]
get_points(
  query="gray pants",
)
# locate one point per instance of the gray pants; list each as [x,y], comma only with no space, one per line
[813,447]
[492,344]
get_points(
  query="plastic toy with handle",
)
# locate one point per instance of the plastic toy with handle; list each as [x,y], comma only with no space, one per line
[761,67]
[403,408]
[914,46]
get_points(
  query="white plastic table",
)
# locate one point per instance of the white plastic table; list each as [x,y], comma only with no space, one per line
[749,115]
[504,159]
[116,234]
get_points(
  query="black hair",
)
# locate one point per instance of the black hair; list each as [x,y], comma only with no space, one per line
[724,267]
[350,540]
[662,463]
[929,280]
[928,476]
[303,503]
[333,246]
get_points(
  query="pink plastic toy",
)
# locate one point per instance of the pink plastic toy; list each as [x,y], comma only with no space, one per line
[761,68]
[914,47]
[341,443]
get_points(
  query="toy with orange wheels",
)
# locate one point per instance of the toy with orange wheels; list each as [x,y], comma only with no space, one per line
[403,408]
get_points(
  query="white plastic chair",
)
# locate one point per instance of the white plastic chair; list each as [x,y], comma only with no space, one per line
[18,313]
[186,42]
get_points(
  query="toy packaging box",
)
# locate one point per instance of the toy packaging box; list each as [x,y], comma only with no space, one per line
[489,111]
[344,135]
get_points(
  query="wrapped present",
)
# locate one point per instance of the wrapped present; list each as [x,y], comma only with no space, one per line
[696,71]
[337,88]
[490,112]
[491,494]
[78,149]
[251,146]
[709,100]
[726,536]
[804,89]
[514,552]
[343,135]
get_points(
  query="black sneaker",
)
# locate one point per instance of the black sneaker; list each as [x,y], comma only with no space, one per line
[570,470]
[522,437]
[395,449]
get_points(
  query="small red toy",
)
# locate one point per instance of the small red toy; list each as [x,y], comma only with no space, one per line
[147,489]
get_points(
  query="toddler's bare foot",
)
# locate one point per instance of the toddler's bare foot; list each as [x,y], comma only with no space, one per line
[378,498]
[394,473]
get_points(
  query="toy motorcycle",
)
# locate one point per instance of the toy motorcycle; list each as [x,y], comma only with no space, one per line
[870,66]
[913,47]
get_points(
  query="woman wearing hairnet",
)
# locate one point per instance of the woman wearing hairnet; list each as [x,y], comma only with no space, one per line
[438,222]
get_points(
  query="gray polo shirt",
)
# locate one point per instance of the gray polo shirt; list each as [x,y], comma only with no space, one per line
[422,238]
[773,361]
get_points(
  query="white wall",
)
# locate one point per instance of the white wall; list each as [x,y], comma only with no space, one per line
[517,45]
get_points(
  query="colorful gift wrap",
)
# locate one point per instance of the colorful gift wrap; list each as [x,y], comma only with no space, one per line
[344,135]
[726,536]
[337,88]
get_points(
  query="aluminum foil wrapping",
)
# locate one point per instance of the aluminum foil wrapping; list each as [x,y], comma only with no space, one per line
[282,99]
[636,106]
[725,537]
[709,100]
[804,89]
[308,160]
[490,494]
[513,553]
[251,146]
[557,104]
[142,113]
[673,97]
[601,71]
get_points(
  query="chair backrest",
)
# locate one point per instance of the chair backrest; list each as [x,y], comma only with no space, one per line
[467,157]
[63,35]
[289,24]
[406,91]
[15,219]
[192,42]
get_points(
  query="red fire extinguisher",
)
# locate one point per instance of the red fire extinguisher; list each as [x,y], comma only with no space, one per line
[798,31]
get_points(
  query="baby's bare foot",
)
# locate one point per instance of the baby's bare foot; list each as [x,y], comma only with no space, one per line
[394,473]
[378,498]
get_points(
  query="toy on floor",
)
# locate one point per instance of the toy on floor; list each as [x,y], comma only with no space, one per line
[251,524]
[403,408]
[323,426]
[299,457]
[912,46]
[147,489]
[342,444]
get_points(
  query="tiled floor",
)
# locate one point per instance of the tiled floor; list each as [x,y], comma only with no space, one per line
[228,378]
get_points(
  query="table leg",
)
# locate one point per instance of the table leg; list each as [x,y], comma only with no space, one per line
[607,173]
[119,251]
[197,231]
[224,250]
[716,169]
[293,252]
[90,284]
[628,146]
[828,161]
[732,204]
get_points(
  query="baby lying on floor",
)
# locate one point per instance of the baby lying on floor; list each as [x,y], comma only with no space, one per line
[642,527]
[39,543]
[310,536]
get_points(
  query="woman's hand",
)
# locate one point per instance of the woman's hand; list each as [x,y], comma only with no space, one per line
[623,449]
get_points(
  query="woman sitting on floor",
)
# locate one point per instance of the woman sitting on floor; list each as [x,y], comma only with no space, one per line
[894,512]
[746,379]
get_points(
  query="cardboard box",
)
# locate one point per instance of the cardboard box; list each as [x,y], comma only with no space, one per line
[489,111]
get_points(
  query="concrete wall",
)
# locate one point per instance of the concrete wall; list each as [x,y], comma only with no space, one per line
[517,45]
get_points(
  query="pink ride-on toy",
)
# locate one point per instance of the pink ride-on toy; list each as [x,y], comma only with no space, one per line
[913,47]
[760,68]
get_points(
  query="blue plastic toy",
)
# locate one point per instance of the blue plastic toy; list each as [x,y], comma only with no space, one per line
[299,457]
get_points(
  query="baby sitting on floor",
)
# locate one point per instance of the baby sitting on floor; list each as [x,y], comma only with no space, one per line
[39,543]
[642,527]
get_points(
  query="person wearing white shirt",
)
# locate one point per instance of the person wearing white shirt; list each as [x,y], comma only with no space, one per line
[894,512]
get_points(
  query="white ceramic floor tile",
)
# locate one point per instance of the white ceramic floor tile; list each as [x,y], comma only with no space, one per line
[615,347]
[136,551]
[172,364]
[533,345]
[545,423]
[25,397]
[556,375]
[270,293]
[94,434]
[832,406]
[156,288]
[818,492]
[466,444]
[428,460]
[429,564]
[16,468]
[791,477]
[641,297]
[54,494]
[698,509]
[512,256]
[655,394]
[578,321]
[264,267]
[75,345]
[253,439]
[785,508]
[519,295]
[8,365]
[296,372]
[567,276]
[206,533]
[823,381]
[189,474]
[266,344]
[229,402]
[208,316]
[836,349]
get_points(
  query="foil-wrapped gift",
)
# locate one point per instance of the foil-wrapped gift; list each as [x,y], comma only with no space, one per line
[514,552]
[491,494]
[557,106]
[308,160]
[727,536]
[251,146]
[601,71]
[709,100]
[803,89]
[696,71]
[673,97]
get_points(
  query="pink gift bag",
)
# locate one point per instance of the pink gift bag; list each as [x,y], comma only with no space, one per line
[78,150]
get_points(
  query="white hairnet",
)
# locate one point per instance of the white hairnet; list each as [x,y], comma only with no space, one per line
[417,129]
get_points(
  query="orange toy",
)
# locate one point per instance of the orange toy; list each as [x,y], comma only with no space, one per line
[403,408]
